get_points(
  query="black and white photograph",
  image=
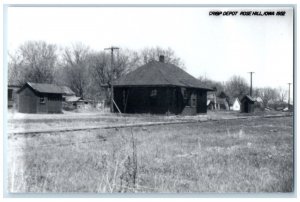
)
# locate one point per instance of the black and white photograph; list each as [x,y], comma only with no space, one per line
[149,99]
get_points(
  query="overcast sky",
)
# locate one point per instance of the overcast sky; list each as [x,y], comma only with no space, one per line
[213,46]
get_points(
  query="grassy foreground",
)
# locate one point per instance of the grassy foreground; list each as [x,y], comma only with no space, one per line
[220,156]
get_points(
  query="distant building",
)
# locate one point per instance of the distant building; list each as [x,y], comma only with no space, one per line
[247,104]
[211,100]
[210,104]
[259,104]
[217,102]
[159,88]
[236,106]
[73,102]
[12,95]
[40,98]
[222,104]
[259,100]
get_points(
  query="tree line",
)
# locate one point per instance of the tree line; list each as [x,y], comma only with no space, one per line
[236,87]
[79,67]
[86,71]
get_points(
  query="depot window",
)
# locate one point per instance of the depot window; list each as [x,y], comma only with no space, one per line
[153,93]
[42,100]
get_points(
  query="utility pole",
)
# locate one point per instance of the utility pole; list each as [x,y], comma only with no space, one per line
[289,96]
[250,82]
[112,75]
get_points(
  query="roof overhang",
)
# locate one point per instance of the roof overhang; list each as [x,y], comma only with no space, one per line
[160,85]
[27,84]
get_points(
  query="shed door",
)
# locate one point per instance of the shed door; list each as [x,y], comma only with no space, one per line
[201,102]
[27,104]
[246,107]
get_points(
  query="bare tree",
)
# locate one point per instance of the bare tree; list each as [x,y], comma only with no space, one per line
[268,94]
[209,83]
[15,72]
[83,70]
[237,86]
[148,54]
[282,94]
[102,73]
[256,92]
[34,61]
[75,68]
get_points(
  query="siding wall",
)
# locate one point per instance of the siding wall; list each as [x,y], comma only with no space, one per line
[29,102]
[160,100]
[142,100]
[53,103]
[247,106]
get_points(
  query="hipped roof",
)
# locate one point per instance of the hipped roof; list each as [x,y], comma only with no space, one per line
[157,73]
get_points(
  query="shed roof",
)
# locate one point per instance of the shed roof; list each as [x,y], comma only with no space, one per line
[67,90]
[248,97]
[157,73]
[43,88]
[73,99]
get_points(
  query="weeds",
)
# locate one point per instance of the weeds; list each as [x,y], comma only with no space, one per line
[204,157]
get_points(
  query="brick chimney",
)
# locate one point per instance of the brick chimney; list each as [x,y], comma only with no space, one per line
[162,58]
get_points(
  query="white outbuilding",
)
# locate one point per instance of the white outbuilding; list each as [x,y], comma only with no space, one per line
[236,105]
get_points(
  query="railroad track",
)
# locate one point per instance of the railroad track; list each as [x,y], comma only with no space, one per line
[70,129]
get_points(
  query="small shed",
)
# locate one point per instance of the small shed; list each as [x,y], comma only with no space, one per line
[247,104]
[159,88]
[40,98]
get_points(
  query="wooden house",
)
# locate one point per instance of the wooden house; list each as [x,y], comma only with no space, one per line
[40,98]
[159,88]
[222,104]
[217,102]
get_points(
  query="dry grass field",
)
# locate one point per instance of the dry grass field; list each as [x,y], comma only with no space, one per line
[244,155]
